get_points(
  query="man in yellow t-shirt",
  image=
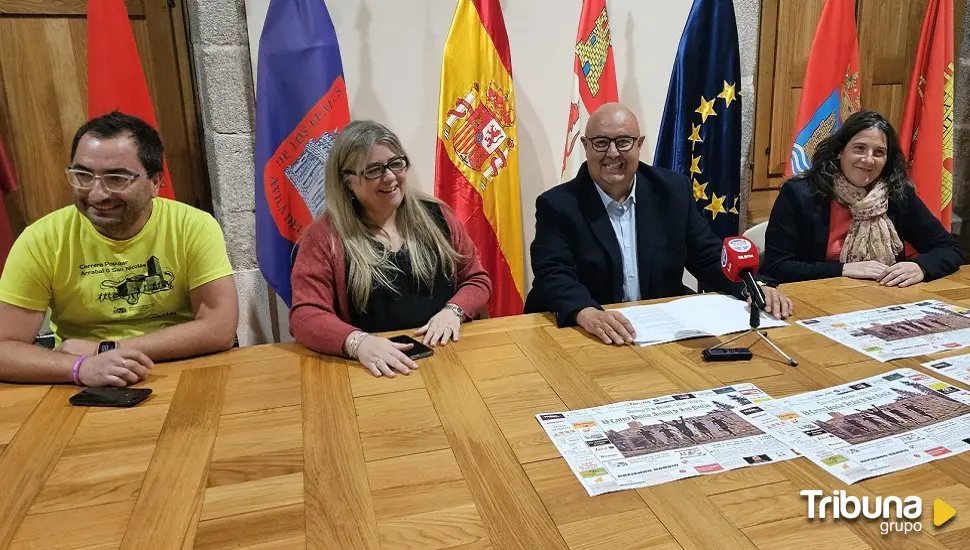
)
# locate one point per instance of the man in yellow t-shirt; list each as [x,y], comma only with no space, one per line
[129,278]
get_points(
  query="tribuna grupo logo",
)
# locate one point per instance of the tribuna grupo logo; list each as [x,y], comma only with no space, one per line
[901,515]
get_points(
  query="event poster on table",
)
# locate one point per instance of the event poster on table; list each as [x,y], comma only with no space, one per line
[894,332]
[873,426]
[956,367]
[641,443]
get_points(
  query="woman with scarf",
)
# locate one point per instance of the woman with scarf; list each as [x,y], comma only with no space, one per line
[850,213]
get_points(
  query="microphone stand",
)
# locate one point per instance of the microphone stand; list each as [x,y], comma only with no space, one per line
[754,322]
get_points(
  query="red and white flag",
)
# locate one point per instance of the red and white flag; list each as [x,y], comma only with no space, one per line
[926,136]
[594,81]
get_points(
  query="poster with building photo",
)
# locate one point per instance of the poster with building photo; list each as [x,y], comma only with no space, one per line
[641,443]
[893,332]
[956,367]
[874,426]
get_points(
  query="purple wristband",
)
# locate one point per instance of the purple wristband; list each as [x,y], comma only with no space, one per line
[77,368]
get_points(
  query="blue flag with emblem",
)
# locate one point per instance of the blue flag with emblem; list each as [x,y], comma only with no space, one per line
[700,133]
[301,105]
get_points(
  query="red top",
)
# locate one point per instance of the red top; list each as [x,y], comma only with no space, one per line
[840,218]
[320,315]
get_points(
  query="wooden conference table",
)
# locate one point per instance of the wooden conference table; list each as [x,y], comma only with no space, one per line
[275,447]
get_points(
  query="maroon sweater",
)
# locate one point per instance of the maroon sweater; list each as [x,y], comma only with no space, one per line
[320,315]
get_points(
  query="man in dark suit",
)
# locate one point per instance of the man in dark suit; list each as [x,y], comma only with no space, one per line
[621,231]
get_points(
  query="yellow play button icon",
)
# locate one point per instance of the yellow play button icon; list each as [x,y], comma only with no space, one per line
[942,512]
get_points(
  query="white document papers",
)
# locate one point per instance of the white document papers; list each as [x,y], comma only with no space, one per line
[893,332]
[696,316]
[641,443]
[871,427]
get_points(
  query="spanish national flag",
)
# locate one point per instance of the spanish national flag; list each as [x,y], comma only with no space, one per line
[477,161]
[926,135]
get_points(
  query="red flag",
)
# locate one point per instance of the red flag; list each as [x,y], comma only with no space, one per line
[830,92]
[926,135]
[594,80]
[116,79]
[8,184]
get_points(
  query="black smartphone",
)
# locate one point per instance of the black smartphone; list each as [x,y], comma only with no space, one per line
[419,351]
[727,354]
[110,396]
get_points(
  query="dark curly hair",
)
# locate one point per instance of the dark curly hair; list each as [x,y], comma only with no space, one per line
[825,161]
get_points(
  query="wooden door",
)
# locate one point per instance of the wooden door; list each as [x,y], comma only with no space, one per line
[43,95]
[888,34]
[787,29]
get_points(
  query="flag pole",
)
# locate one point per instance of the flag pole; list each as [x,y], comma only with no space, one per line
[274,316]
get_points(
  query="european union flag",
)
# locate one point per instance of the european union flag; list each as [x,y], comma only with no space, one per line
[700,134]
[301,104]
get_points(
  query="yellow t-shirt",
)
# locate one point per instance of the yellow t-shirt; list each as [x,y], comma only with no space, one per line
[102,289]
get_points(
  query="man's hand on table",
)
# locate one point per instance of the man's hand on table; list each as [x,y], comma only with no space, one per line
[121,367]
[609,326]
[777,304]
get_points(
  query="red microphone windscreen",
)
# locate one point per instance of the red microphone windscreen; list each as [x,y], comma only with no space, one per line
[737,255]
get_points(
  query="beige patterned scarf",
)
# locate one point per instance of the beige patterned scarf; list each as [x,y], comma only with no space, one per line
[871,235]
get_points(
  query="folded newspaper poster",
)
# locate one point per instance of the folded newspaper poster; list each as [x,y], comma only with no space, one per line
[873,426]
[956,367]
[652,441]
[894,332]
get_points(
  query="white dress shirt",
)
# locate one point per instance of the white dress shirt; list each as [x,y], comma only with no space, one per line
[624,221]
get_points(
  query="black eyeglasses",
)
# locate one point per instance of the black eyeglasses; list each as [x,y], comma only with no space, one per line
[82,179]
[376,170]
[602,143]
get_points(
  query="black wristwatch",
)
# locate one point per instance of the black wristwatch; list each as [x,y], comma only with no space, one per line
[107,345]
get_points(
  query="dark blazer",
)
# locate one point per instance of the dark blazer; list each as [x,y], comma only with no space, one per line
[576,258]
[798,233]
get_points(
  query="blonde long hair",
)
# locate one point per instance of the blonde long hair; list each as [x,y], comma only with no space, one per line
[429,249]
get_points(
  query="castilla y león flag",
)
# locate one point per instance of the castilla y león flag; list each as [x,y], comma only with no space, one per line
[594,80]
[830,92]
[301,105]
[477,160]
[116,80]
[926,135]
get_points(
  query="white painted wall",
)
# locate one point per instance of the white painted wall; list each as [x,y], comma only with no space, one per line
[392,49]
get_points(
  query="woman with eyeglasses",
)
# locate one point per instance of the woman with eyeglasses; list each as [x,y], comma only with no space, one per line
[851,213]
[382,257]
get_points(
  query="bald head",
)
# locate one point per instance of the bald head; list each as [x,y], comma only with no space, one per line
[612,144]
[612,116]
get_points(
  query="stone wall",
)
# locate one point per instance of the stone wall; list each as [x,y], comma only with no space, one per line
[220,44]
[961,142]
[748,14]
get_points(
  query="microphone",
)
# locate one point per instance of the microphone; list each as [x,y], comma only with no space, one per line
[739,262]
